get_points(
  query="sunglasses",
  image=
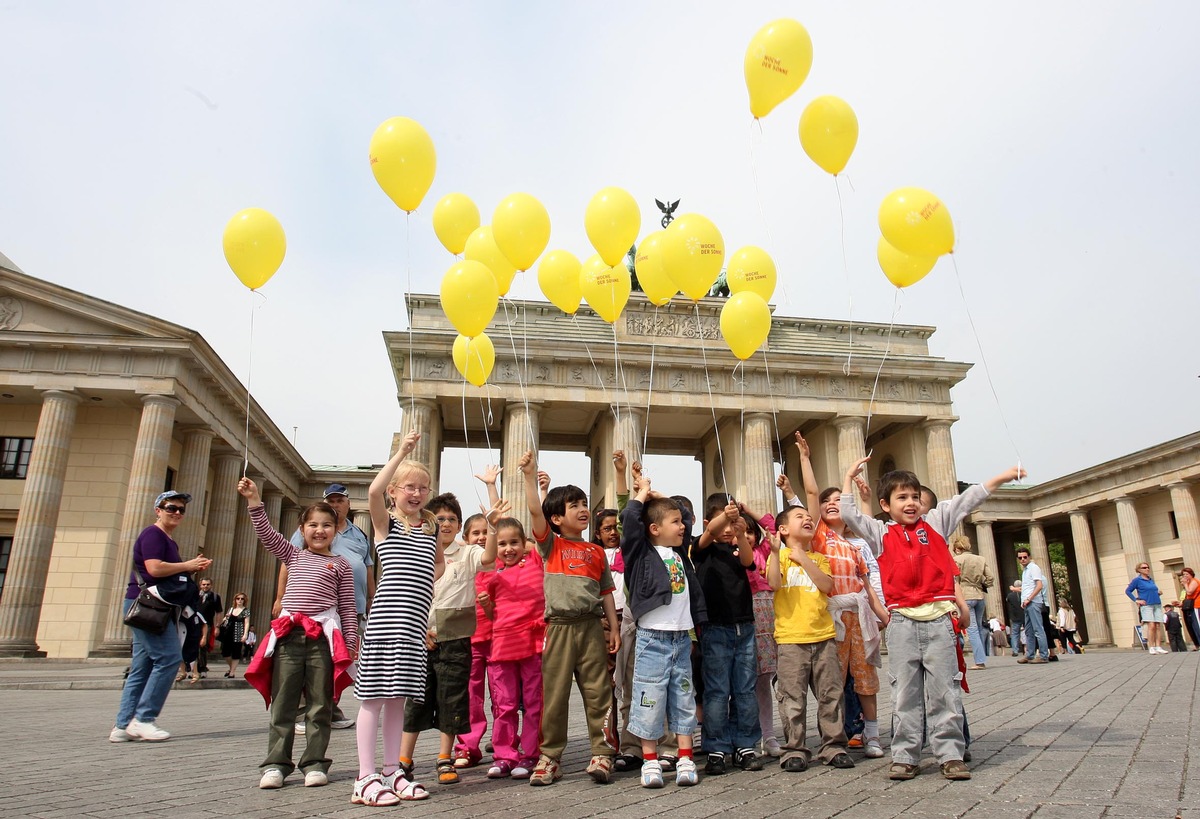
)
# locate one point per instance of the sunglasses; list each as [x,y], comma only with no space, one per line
[173,509]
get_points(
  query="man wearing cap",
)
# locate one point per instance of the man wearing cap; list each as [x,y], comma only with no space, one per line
[156,565]
[351,543]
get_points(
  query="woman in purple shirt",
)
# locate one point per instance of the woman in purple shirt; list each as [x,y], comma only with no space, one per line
[156,562]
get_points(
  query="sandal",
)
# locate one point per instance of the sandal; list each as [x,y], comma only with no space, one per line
[405,790]
[195,678]
[371,791]
[446,775]
[179,677]
[464,758]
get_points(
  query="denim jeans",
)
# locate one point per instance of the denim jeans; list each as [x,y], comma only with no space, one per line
[662,684]
[978,609]
[1035,631]
[156,659]
[1014,636]
[730,705]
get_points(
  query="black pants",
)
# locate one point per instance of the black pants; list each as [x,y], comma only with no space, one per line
[1189,620]
[1176,640]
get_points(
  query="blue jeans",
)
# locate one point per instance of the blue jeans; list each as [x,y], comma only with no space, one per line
[662,684]
[156,659]
[1014,637]
[978,609]
[1035,631]
[730,704]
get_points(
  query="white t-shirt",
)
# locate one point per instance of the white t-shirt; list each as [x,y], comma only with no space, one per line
[618,579]
[676,615]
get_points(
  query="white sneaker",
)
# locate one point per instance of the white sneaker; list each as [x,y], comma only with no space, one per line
[339,724]
[873,750]
[651,774]
[272,778]
[299,729]
[147,731]
[771,747]
[685,771]
[314,779]
[119,735]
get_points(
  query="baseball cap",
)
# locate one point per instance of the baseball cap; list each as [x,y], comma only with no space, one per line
[336,489]
[171,495]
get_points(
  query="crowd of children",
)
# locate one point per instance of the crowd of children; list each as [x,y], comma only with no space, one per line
[667,633]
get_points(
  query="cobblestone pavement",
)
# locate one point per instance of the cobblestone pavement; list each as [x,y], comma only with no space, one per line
[1106,734]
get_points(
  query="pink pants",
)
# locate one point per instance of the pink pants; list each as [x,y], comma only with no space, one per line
[475,713]
[516,684]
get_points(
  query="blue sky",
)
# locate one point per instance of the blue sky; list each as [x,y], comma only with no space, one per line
[1061,137]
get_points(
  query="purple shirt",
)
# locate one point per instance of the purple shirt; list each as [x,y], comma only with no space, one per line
[152,544]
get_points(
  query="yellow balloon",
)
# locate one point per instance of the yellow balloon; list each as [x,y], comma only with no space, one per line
[403,161]
[693,251]
[745,323]
[612,221]
[914,221]
[454,217]
[606,289]
[474,358]
[751,269]
[558,276]
[648,264]
[828,133]
[469,297]
[254,246]
[521,228]
[777,63]
[481,247]
[900,268]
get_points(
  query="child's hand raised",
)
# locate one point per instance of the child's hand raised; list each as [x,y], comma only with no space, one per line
[857,468]
[785,486]
[619,462]
[489,474]
[500,509]
[636,469]
[641,484]
[802,445]
[526,464]
[732,513]
[773,538]
[864,489]
[543,481]
[249,491]
[409,443]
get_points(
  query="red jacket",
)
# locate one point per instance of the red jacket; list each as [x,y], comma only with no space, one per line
[262,668]
[915,566]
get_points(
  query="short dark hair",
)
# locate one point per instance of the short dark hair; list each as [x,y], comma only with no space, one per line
[511,523]
[598,516]
[828,493]
[1025,549]
[556,502]
[445,502]
[781,518]
[684,503]
[925,489]
[752,528]
[714,504]
[658,508]
[896,479]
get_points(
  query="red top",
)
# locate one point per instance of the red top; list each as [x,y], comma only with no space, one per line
[915,566]
[518,627]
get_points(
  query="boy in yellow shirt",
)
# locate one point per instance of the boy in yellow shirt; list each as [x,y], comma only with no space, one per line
[804,632]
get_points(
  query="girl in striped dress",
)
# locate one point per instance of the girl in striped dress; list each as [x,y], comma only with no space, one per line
[391,662]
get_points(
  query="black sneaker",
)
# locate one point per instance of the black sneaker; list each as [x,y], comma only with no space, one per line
[716,764]
[626,762]
[747,760]
[667,761]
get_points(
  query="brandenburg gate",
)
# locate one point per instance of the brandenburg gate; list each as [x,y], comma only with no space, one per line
[568,386]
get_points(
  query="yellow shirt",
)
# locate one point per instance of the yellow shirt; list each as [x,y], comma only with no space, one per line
[801,609]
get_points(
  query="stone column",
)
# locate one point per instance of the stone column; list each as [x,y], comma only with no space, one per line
[193,479]
[245,551]
[363,521]
[1131,536]
[939,454]
[226,508]
[1188,523]
[146,476]
[1095,612]
[630,427]
[522,428]
[987,550]
[266,568]
[1040,551]
[33,539]
[758,469]
[425,417]
[851,446]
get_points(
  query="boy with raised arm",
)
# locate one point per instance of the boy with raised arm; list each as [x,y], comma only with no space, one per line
[666,603]
[579,590]
[918,575]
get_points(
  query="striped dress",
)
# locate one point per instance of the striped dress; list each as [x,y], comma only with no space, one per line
[391,662]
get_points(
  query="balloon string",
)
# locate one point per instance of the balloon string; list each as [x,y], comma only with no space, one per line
[846,277]
[619,377]
[508,321]
[987,371]
[412,393]
[467,441]
[249,378]
[758,199]
[650,387]
[742,421]
[887,349]
[487,423]
[711,403]
[595,368]
[774,411]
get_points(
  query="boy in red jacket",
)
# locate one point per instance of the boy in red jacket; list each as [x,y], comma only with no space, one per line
[918,575]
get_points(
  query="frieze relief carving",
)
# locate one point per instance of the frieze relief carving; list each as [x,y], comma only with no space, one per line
[676,326]
[11,313]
